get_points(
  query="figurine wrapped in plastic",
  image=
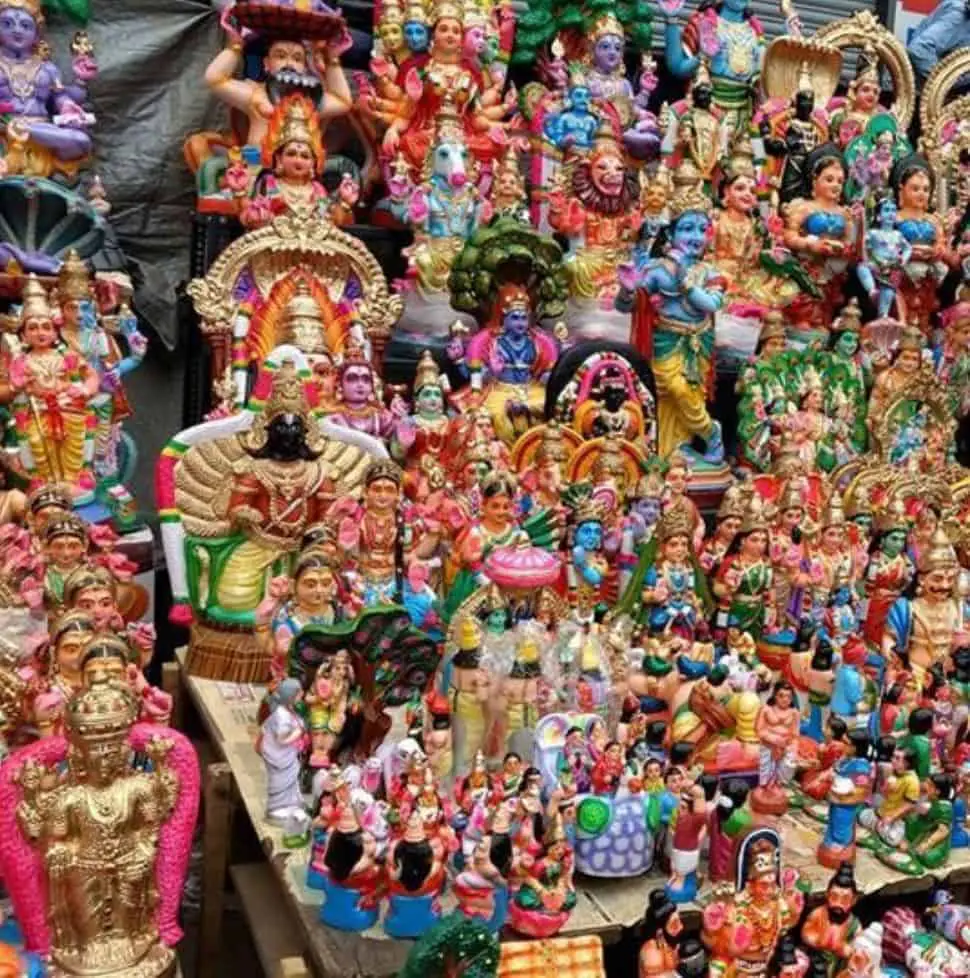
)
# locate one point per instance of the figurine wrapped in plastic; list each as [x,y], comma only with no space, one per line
[545,896]
[468,688]
[102,834]
[742,930]
[678,335]
[821,233]
[415,871]
[913,183]
[886,251]
[507,359]
[830,929]
[436,735]
[281,744]
[598,210]
[52,388]
[48,125]
[734,42]
[906,942]
[482,888]
[660,951]
[351,874]
[920,631]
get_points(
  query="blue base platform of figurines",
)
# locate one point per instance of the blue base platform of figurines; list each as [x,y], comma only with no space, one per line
[411,916]
[685,893]
[342,910]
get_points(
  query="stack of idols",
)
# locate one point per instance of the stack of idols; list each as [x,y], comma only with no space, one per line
[615,645]
[69,338]
[99,794]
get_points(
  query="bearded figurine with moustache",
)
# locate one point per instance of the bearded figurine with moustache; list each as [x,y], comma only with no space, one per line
[288,68]
[921,632]
[660,953]
[830,929]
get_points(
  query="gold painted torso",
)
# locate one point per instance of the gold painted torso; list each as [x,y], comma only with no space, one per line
[934,625]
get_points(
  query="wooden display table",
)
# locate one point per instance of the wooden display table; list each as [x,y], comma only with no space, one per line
[604,907]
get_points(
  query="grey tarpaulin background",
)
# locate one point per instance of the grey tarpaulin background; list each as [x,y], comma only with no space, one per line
[148,95]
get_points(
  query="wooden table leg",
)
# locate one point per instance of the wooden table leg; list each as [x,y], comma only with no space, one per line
[217,794]
[172,684]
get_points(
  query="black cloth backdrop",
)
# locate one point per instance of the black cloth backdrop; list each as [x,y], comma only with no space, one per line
[148,95]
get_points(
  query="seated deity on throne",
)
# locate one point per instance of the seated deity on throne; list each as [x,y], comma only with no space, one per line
[45,127]
[238,495]
[300,281]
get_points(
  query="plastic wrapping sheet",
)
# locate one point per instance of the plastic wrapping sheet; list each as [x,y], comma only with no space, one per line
[148,95]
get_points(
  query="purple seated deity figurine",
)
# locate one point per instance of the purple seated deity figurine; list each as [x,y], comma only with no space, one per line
[46,122]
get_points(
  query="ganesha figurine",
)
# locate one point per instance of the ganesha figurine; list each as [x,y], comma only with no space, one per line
[95,850]
[445,208]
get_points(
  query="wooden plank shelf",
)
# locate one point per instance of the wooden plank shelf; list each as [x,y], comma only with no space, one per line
[605,908]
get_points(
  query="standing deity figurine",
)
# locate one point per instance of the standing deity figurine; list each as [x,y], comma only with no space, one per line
[52,389]
[95,850]
[678,295]
[112,347]
[885,251]
[733,40]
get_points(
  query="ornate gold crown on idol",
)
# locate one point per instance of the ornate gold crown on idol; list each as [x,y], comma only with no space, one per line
[74,279]
[676,522]
[105,711]
[605,26]
[287,395]
[688,192]
[35,301]
[427,374]
[32,7]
